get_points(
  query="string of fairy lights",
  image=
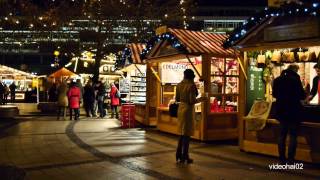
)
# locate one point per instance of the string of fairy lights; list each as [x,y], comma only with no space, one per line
[45,21]
[292,9]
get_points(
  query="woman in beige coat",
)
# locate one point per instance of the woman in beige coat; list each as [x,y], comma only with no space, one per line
[62,100]
[186,94]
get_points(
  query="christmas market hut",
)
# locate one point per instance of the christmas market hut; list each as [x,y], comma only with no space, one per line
[134,83]
[269,42]
[217,78]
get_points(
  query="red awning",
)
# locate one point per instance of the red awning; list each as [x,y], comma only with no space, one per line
[202,42]
[136,49]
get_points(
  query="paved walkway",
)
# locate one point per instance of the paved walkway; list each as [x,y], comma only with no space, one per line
[98,149]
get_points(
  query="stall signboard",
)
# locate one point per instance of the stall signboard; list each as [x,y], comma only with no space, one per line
[172,73]
[255,85]
[304,30]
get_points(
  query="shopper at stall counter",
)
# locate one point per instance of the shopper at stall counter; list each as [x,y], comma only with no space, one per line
[316,84]
[62,99]
[13,88]
[2,90]
[288,91]
[186,94]
[74,94]
[115,100]
[88,99]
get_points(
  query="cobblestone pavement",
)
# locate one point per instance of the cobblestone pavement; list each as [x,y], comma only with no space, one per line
[98,149]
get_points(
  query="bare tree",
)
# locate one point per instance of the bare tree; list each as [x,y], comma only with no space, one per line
[105,18]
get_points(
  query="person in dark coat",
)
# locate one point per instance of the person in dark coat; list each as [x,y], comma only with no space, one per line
[101,95]
[88,99]
[2,91]
[316,84]
[53,93]
[288,91]
[13,88]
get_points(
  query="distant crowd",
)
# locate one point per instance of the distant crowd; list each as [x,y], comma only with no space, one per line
[93,96]
[5,91]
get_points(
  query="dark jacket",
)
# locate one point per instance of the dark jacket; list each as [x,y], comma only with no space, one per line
[314,89]
[288,91]
[101,94]
[89,95]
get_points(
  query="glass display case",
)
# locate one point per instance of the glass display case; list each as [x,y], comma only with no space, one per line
[138,86]
[224,91]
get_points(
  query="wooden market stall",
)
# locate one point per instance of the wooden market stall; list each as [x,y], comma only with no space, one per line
[217,73]
[25,82]
[135,80]
[267,47]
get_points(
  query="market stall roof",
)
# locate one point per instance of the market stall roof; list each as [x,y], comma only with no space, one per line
[4,70]
[130,55]
[197,42]
[289,26]
[187,42]
[63,72]
[136,50]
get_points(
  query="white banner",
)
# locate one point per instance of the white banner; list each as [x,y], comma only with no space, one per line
[173,72]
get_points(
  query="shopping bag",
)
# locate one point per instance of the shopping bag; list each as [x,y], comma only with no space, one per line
[173,109]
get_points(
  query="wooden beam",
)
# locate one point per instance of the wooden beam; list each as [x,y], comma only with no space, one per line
[194,68]
[155,74]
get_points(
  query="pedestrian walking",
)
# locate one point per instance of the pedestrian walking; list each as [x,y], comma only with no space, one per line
[12,88]
[88,99]
[74,94]
[62,100]
[2,90]
[53,93]
[6,93]
[101,95]
[186,93]
[115,100]
[288,91]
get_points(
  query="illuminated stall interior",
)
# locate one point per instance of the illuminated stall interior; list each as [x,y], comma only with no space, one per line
[217,77]
[133,85]
[269,44]
[23,80]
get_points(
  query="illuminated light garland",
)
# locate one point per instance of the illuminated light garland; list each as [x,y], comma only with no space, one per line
[166,36]
[285,10]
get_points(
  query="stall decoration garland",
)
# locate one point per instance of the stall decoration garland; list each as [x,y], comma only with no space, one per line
[123,57]
[166,36]
[292,9]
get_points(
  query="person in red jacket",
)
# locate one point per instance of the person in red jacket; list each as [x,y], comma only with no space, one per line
[115,100]
[74,97]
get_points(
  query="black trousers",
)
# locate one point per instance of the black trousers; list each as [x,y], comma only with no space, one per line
[182,152]
[13,97]
[291,127]
[114,110]
[101,110]
[89,107]
[62,110]
[76,114]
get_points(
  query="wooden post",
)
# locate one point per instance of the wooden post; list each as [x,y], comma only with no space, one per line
[242,98]
[194,68]
[206,75]
[155,74]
